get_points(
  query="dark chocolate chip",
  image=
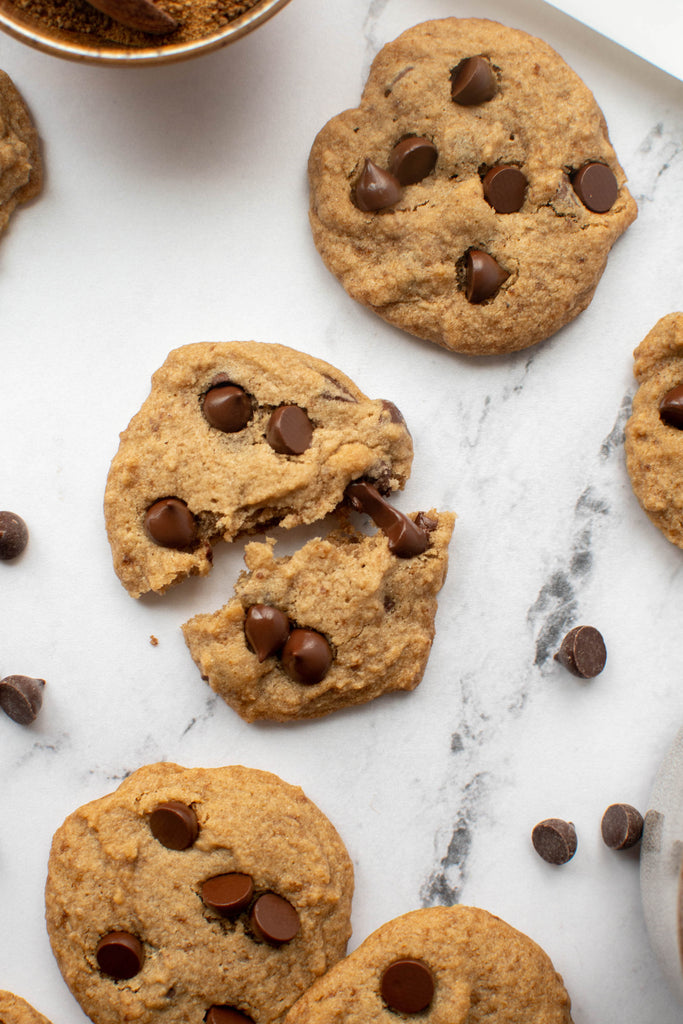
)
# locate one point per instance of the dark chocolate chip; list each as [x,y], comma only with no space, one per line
[266,628]
[425,522]
[483,276]
[306,657]
[273,919]
[140,15]
[376,188]
[596,187]
[621,826]
[226,1015]
[120,955]
[671,408]
[395,414]
[227,408]
[505,188]
[13,535]
[170,523]
[472,82]
[412,159]
[289,430]
[554,840]
[21,698]
[583,652]
[174,825]
[407,986]
[228,894]
[406,539]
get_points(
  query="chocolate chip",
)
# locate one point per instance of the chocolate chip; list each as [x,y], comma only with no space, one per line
[266,628]
[473,81]
[407,986]
[425,522]
[21,698]
[621,826]
[174,825]
[227,408]
[583,652]
[170,523]
[483,276]
[120,955]
[273,919]
[226,1015]
[406,539]
[306,657]
[671,408]
[13,535]
[228,894]
[554,840]
[376,188]
[289,430]
[505,188]
[395,414]
[140,15]
[412,159]
[596,187]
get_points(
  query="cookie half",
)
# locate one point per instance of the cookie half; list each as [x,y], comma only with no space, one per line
[15,1010]
[443,965]
[236,436]
[21,170]
[191,892]
[654,432]
[473,196]
[340,622]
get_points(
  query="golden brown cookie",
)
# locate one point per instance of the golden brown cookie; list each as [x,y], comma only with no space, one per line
[340,622]
[191,891]
[443,965]
[473,197]
[21,171]
[234,437]
[654,432]
[15,1010]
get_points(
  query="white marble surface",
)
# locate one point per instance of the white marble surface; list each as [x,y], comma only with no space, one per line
[174,210]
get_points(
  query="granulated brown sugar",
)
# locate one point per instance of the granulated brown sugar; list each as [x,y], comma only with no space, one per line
[196,20]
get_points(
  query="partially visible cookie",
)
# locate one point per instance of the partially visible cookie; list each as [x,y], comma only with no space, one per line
[443,965]
[15,1010]
[340,622]
[654,432]
[473,196]
[191,892]
[21,170]
[234,437]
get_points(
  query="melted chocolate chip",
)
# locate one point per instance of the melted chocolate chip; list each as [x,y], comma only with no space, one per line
[473,82]
[505,188]
[671,408]
[174,825]
[13,535]
[228,894]
[406,539]
[554,840]
[407,986]
[483,276]
[621,826]
[412,159]
[170,523]
[21,698]
[227,408]
[306,657]
[120,955]
[376,189]
[583,652]
[266,628]
[289,430]
[273,919]
[425,522]
[596,187]
[226,1015]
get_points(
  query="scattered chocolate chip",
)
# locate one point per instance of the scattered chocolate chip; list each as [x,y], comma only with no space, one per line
[226,1015]
[554,840]
[266,628]
[21,698]
[306,657]
[273,919]
[671,408]
[376,188]
[289,430]
[406,538]
[227,408]
[473,81]
[140,15]
[596,187]
[13,535]
[228,894]
[583,652]
[412,159]
[174,825]
[483,276]
[395,414]
[120,955]
[621,826]
[170,523]
[505,188]
[407,986]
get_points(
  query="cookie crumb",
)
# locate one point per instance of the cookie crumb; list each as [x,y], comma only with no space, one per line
[153,640]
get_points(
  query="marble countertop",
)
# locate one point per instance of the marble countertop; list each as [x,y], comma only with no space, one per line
[174,211]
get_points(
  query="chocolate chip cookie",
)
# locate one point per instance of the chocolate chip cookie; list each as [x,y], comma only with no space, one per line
[15,1010]
[443,965]
[21,169]
[343,620]
[234,437]
[193,895]
[473,197]
[654,432]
